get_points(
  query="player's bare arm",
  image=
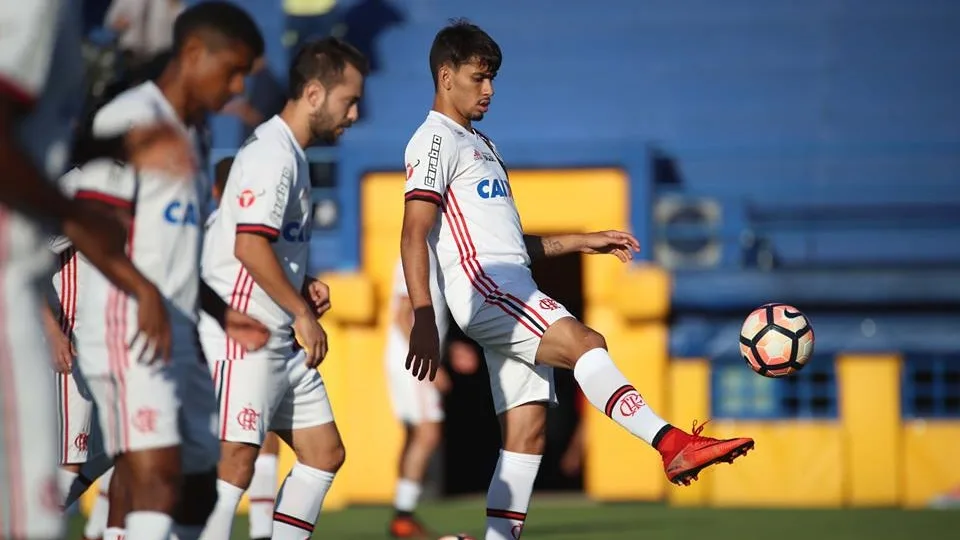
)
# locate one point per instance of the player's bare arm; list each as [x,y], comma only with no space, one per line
[250,333]
[257,256]
[105,250]
[404,315]
[418,219]
[161,147]
[26,190]
[620,244]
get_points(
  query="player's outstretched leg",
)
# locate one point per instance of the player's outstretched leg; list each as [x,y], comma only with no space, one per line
[263,489]
[570,344]
[523,430]
[320,454]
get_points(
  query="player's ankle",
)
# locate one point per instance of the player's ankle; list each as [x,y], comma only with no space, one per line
[665,439]
[402,514]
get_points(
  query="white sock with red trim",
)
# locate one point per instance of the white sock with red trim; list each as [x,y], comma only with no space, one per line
[262,494]
[299,502]
[607,389]
[509,494]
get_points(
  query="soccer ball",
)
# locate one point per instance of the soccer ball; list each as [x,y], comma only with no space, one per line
[457,537]
[776,340]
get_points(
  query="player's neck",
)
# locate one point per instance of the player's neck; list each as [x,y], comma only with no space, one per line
[451,113]
[175,91]
[299,124]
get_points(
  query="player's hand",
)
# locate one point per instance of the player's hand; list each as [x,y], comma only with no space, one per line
[618,243]
[61,347]
[162,147]
[311,337]
[423,358]
[153,338]
[250,333]
[317,293]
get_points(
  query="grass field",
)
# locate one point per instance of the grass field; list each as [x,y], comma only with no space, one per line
[570,519]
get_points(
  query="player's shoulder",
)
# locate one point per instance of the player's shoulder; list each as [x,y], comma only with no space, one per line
[436,131]
[134,106]
[267,142]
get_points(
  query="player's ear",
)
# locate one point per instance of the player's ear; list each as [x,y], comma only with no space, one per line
[315,93]
[191,49]
[445,77]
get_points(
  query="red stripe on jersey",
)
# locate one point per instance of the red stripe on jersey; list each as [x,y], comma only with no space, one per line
[112,200]
[487,287]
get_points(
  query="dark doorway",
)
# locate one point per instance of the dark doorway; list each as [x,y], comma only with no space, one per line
[472,434]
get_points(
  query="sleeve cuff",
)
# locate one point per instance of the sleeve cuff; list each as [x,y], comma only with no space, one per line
[262,230]
[424,195]
[97,196]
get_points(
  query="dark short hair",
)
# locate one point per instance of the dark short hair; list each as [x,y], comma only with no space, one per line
[324,60]
[218,19]
[221,172]
[462,42]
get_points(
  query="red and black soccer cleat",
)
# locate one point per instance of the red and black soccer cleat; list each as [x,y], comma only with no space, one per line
[685,454]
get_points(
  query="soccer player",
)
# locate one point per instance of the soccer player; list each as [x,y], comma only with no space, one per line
[156,410]
[459,203]
[40,94]
[417,404]
[255,258]
[263,485]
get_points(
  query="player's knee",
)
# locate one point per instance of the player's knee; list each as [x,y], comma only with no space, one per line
[582,339]
[593,339]
[428,435]
[236,463]
[328,457]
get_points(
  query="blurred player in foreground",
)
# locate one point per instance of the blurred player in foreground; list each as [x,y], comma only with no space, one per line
[40,94]
[255,258]
[156,408]
[417,404]
[459,204]
[263,485]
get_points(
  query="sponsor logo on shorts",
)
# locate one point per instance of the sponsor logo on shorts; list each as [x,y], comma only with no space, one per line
[145,420]
[80,441]
[248,419]
[549,304]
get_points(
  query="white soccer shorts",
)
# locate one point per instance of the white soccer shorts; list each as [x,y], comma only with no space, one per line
[151,406]
[266,390]
[414,401]
[507,314]
[76,410]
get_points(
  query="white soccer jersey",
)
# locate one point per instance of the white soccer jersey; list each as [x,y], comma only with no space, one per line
[165,234]
[462,172]
[66,278]
[267,193]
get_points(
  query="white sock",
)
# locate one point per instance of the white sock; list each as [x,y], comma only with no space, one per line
[113,533]
[220,523]
[299,502]
[608,390]
[509,495]
[262,493]
[142,525]
[97,521]
[65,479]
[407,495]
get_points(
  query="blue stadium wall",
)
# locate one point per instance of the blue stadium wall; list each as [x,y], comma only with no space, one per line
[802,152]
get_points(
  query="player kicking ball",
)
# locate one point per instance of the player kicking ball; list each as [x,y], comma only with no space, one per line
[459,204]
[255,258]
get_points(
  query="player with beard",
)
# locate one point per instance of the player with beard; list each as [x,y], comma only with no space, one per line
[255,257]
